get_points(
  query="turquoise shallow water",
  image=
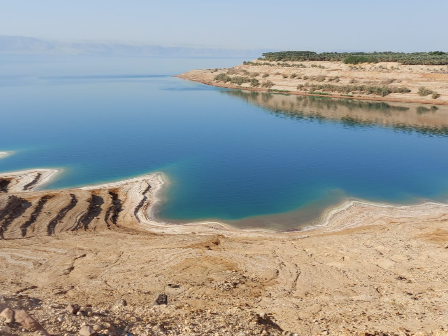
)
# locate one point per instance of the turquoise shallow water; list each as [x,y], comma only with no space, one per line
[247,159]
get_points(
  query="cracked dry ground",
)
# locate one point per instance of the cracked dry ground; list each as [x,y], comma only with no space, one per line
[389,277]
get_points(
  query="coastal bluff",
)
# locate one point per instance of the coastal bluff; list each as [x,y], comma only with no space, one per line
[381,81]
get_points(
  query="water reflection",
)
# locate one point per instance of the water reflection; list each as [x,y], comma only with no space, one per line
[428,120]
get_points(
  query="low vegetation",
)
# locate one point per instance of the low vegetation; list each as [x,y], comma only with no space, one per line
[346,89]
[238,80]
[422,91]
[268,84]
[417,58]
[358,59]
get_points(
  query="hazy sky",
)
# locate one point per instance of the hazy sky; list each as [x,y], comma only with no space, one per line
[324,25]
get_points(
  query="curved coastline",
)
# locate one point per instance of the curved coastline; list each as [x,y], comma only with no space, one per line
[348,215]
[305,94]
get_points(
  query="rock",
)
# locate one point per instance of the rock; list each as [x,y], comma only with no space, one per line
[26,321]
[87,331]
[88,311]
[8,315]
[97,327]
[72,308]
[5,330]
[120,303]
[22,317]
[162,299]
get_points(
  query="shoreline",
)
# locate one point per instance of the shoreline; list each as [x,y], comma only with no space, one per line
[299,93]
[333,79]
[347,215]
[101,244]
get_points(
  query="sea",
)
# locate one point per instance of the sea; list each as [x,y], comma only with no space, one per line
[248,159]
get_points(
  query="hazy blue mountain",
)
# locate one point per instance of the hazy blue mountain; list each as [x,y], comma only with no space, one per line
[31,45]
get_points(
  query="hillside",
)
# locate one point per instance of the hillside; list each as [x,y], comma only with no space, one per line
[376,80]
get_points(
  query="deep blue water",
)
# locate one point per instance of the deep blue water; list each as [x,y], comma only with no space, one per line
[104,119]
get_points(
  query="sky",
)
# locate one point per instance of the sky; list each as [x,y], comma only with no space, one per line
[324,25]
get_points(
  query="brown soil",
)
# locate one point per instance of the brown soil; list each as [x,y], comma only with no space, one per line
[370,269]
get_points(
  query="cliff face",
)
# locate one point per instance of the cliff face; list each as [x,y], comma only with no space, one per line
[382,81]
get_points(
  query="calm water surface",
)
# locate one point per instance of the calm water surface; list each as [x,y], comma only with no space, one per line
[244,158]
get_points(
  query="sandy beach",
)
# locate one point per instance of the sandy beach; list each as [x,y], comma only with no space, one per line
[368,268]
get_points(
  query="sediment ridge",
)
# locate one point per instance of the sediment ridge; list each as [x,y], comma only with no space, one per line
[370,269]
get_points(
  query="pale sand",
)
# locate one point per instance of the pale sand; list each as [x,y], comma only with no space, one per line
[369,267]
[22,178]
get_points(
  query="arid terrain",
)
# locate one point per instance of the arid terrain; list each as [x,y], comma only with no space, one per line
[317,78]
[92,261]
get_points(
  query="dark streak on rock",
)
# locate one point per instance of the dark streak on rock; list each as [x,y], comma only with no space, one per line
[114,210]
[33,182]
[61,214]
[93,211]
[16,207]
[142,202]
[24,227]
[4,183]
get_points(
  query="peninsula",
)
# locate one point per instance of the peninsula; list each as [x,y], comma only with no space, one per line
[395,77]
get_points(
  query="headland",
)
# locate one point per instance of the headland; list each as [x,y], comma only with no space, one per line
[410,78]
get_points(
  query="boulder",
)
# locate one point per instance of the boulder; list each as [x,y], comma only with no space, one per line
[28,322]
[87,331]
[162,299]
[72,308]
[8,315]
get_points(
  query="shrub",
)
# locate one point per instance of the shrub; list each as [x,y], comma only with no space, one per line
[222,77]
[285,75]
[265,75]
[435,95]
[422,91]
[321,78]
[254,74]
[238,80]
[268,84]
[367,89]
[254,82]
[294,75]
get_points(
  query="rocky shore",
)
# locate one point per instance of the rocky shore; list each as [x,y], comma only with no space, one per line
[93,261]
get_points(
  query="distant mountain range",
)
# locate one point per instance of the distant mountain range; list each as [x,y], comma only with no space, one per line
[30,45]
